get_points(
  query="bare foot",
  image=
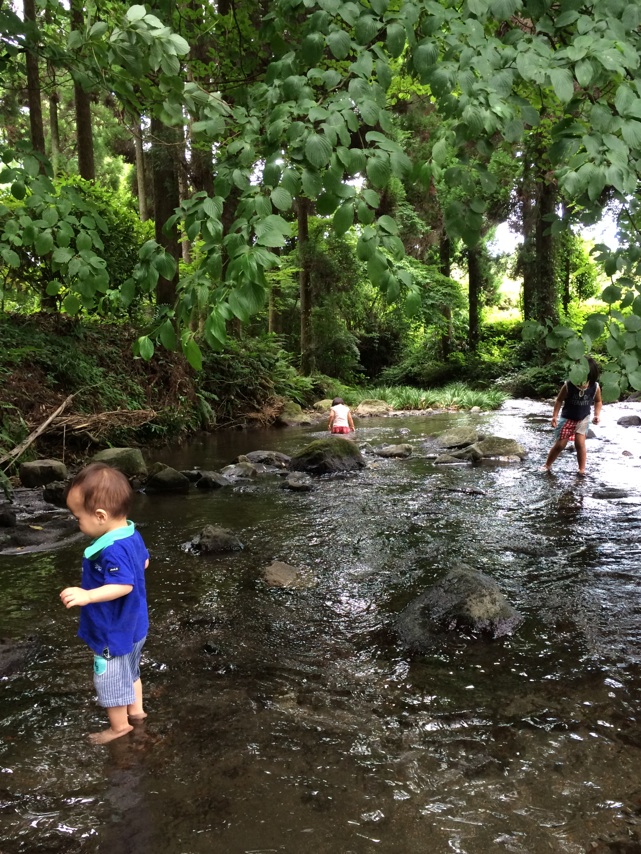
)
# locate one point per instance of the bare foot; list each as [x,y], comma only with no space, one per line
[139,716]
[546,468]
[108,735]
[581,473]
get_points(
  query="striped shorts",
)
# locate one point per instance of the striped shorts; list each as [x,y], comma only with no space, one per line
[114,678]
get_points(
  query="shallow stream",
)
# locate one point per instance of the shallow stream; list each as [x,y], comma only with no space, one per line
[290,720]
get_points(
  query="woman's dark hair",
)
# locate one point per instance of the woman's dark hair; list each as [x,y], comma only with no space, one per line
[337,401]
[593,370]
[103,487]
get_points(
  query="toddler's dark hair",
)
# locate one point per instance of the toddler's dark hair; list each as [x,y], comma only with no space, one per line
[103,487]
[337,401]
[593,372]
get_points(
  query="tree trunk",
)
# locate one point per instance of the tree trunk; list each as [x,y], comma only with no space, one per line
[164,153]
[547,307]
[445,268]
[475,287]
[305,285]
[33,79]
[183,191]
[140,173]
[84,131]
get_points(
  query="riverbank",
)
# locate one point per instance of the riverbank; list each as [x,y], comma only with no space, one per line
[85,371]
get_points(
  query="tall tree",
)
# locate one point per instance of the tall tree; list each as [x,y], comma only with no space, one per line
[84,127]
[33,77]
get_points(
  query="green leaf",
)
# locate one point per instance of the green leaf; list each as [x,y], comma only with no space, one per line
[388,224]
[193,353]
[424,58]
[312,183]
[318,150]
[343,218]
[18,190]
[366,29]
[579,373]
[71,304]
[166,265]
[634,378]
[631,133]
[62,255]
[371,197]
[84,242]
[395,40]
[44,243]
[145,347]
[312,48]
[562,83]
[632,323]
[167,335]
[135,13]
[365,213]
[610,391]
[611,294]
[378,171]
[339,43]
[10,257]
[281,199]
[54,287]
[575,348]
[584,71]
[594,327]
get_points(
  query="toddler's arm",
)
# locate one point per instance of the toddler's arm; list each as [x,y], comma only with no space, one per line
[350,421]
[332,415]
[77,596]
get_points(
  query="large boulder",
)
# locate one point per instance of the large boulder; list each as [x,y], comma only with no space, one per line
[42,472]
[458,437]
[325,456]
[323,406]
[129,461]
[372,407]
[464,601]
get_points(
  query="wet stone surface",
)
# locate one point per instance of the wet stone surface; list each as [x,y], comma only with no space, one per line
[284,719]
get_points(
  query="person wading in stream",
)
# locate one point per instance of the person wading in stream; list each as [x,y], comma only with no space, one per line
[340,417]
[113,601]
[577,403]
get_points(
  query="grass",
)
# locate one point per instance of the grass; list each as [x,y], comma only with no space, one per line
[452,396]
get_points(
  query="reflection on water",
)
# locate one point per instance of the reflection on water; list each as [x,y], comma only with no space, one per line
[282,720]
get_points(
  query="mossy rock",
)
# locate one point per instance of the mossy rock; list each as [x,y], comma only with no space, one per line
[372,407]
[325,456]
[129,461]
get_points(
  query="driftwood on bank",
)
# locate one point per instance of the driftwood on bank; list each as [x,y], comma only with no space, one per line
[101,422]
[22,447]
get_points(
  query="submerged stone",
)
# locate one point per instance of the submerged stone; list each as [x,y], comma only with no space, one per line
[213,539]
[280,574]
[401,451]
[268,458]
[464,601]
[629,421]
[167,479]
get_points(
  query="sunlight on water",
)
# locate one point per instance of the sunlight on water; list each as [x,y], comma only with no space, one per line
[283,720]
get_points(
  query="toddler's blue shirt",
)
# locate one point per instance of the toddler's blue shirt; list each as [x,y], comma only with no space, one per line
[112,628]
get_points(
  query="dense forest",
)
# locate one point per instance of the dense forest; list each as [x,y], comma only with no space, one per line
[302,195]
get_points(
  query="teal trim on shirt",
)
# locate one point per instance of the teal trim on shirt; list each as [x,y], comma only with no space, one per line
[93,550]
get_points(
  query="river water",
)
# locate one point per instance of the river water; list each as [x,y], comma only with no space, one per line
[291,720]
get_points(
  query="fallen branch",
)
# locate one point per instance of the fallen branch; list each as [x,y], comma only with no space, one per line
[101,422]
[13,455]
